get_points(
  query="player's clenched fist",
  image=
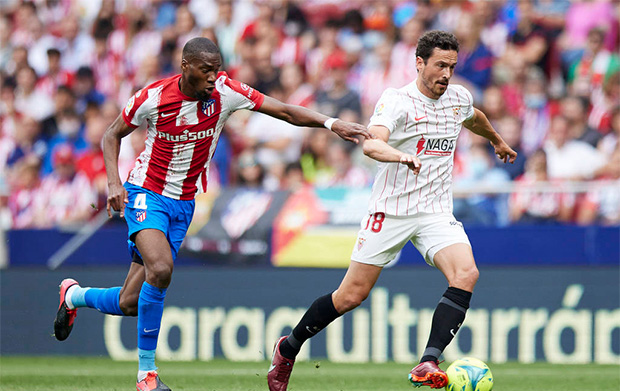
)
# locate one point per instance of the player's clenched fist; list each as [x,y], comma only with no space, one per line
[412,162]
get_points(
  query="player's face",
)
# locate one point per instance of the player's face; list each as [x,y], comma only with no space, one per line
[200,74]
[436,73]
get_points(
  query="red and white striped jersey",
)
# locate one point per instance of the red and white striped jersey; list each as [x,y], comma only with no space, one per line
[426,128]
[182,133]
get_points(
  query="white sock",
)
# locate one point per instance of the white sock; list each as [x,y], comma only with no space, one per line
[68,294]
[142,374]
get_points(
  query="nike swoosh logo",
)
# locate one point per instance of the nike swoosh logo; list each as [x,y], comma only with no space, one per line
[150,331]
[166,115]
[416,118]
[453,332]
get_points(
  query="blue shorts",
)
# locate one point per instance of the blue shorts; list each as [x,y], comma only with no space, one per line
[147,209]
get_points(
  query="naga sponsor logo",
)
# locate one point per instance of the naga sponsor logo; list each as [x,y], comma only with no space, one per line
[435,146]
[186,135]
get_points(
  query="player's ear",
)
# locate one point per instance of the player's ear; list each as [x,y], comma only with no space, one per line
[184,65]
[419,62]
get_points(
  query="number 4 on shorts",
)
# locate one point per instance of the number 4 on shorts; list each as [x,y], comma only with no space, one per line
[140,202]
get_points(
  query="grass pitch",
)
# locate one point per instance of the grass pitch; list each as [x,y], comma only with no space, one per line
[95,374]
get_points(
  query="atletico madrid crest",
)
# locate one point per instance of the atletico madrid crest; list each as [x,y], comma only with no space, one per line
[141,215]
[208,107]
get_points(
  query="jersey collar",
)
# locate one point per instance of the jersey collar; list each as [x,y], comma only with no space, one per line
[419,94]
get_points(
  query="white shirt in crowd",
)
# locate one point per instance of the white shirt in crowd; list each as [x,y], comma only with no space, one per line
[575,159]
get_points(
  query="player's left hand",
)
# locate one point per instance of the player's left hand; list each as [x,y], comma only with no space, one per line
[505,153]
[350,131]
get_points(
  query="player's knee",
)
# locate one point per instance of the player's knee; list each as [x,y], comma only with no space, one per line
[159,274]
[349,301]
[466,279]
[129,304]
[472,275]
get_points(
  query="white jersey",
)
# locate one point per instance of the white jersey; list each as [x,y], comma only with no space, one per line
[426,128]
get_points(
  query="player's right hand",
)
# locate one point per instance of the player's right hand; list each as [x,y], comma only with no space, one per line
[350,131]
[412,162]
[117,198]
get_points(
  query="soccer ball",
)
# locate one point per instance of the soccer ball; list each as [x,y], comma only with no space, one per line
[469,374]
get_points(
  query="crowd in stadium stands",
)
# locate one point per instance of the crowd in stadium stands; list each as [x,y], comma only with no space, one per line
[545,72]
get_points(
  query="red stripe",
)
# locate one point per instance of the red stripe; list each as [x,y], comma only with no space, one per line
[435,197]
[203,179]
[395,176]
[426,115]
[157,168]
[414,186]
[428,180]
[445,116]
[404,191]
[201,156]
[414,106]
[443,191]
[452,104]
[394,188]
[406,121]
[384,185]
[161,153]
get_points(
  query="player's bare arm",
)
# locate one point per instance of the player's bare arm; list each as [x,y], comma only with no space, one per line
[378,149]
[480,125]
[301,116]
[117,195]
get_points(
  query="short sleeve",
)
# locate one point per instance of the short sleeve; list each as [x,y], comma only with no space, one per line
[469,108]
[387,111]
[136,110]
[239,95]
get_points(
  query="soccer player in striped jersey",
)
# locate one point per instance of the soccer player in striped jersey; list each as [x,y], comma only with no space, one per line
[416,128]
[185,115]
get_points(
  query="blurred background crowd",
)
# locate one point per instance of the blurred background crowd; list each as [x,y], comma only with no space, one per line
[545,72]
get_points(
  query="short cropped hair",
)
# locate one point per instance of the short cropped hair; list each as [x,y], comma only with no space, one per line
[435,39]
[195,46]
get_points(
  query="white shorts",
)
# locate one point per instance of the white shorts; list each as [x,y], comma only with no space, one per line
[381,236]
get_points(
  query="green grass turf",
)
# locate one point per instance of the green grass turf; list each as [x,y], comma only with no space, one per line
[94,374]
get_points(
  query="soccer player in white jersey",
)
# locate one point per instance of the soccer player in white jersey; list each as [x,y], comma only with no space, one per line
[416,128]
[185,115]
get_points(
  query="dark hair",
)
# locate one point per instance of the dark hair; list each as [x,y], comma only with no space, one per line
[435,39]
[66,89]
[53,52]
[85,72]
[195,46]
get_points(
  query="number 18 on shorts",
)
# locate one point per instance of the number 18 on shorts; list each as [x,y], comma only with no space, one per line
[382,236]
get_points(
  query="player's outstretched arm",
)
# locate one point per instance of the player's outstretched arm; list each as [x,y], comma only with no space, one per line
[378,149]
[480,125]
[117,195]
[301,116]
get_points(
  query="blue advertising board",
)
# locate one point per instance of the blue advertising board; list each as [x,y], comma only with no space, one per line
[515,245]
[555,314]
